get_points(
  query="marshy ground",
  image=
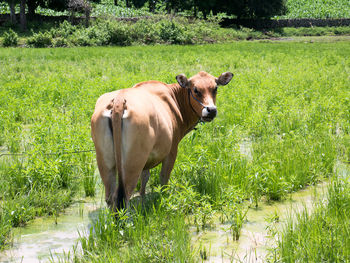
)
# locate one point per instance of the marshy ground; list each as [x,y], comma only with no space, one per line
[288,101]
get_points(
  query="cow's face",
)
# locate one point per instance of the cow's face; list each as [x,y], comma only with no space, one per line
[202,89]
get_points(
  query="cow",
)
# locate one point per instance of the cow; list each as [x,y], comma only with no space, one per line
[136,129]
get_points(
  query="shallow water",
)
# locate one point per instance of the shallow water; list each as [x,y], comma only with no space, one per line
[45,239]
[48,238]
[257,234]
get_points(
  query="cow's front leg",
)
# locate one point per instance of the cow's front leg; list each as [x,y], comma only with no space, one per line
[144,179]
[167,166]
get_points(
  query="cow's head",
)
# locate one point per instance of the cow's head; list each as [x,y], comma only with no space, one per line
[202,89]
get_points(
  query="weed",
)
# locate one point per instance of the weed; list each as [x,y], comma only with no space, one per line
[10,38]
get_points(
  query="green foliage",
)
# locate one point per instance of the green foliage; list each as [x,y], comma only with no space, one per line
[40,40]
[282,123]
[322,236]
[120,35]
[158,30]
[88,172]
[109,9]
[109,32]
[317,9]
[10,38]
[152,236]
[252,8]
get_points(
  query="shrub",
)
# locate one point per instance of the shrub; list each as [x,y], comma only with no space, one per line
[99,34]
[145,31]
[60,42]
[64,30]
[10,38]
[40,40]
[120,35]
[81,38]
[171,32]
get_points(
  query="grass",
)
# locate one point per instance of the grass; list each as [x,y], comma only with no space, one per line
[321,236]
[289,100]
[317,9]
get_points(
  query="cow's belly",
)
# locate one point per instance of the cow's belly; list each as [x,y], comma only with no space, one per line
[153,160]
[160,151]
[157,156]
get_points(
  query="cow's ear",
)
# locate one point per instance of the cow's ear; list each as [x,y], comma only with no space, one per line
[182,80]
[224,78]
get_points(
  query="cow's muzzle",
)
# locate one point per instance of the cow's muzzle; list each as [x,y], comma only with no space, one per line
[209,113]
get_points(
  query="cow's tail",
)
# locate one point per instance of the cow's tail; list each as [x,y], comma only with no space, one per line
[119,105]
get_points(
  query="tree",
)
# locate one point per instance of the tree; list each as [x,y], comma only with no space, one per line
[240,8]
[22,13]
[12,5]
[81,6]
[251,8]
[32,5]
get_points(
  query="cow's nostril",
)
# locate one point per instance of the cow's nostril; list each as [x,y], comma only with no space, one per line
[211,111]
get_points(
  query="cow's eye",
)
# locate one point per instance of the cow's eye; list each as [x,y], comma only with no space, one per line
[196,91]
[216,89]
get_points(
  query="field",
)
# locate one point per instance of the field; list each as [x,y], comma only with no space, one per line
[289,101]
[317,9]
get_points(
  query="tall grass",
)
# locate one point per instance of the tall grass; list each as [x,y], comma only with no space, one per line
[288,100]
[318,9]
[321,236]
[143,236]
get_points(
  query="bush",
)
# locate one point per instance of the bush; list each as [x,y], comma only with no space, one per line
[60,42]
[120,35]
[99,34]
[145,31]
[10,39]
[40,40]
[64,30]
[81,38]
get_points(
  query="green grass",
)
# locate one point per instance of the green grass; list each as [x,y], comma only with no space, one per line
[321,236]
[317,9]
[290,100]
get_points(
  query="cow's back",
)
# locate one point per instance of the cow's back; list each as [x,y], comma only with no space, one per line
[148,120]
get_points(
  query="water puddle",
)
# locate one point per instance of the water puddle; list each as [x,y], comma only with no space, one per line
[257,234]
[47,238]
[256,237]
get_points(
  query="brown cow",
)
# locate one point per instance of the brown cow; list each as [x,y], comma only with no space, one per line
[135,129]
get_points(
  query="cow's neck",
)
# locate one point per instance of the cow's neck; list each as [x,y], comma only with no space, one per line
[189,118]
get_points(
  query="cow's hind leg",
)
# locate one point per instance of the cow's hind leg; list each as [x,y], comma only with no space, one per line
[108,176]
[144,179]
[132,166]
[103,140]
[167,166]
[124,192]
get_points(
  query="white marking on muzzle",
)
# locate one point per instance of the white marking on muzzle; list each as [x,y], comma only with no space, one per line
[205,111]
